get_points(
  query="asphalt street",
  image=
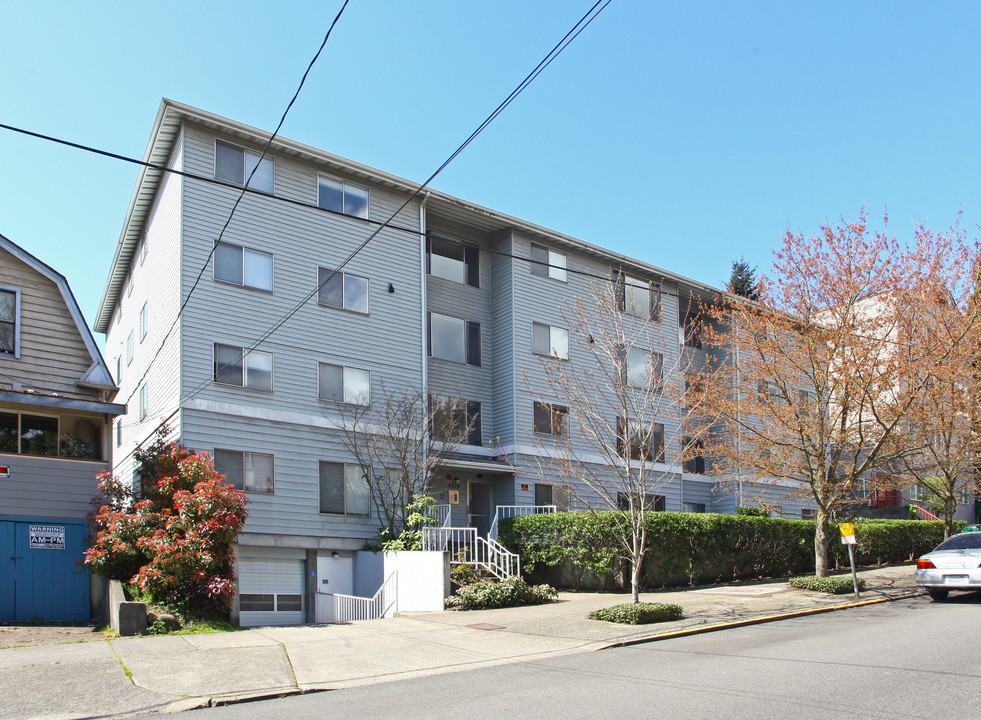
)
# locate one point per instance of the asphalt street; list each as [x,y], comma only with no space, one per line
[907,659]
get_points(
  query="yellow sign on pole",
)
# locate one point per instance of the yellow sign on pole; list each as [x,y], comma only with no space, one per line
[847,529]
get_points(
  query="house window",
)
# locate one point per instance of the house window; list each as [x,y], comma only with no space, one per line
[693,507]
[235,164]
[341,290]
[557,495]
[28,434]
[129,348]
[550,340]
[142,322]
[9,326]
[655,503]
[638,297]
[342,197]
[548,263]
[455,420]
[234,367]
[247,471]
[343,490]
[550,419]
[695,463]
[344,384]
[644,368]
[143,402]
[454,339]
[644,441]
[456,261]
[243,266]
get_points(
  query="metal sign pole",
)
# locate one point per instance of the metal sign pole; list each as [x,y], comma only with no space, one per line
[851,557]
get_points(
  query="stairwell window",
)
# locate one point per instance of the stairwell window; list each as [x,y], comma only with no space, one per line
[454,339]
[243,266]
[454,420]
[234,367]
[548,263]
[344,384]
[10,322]
[695,462]
[343,490]
[653,503]
[454,261]
[247,471]
[235,164]
[644,368]
[342,290]
[637,297]
[342,197]
[550,420]
[639,440]
[550,340]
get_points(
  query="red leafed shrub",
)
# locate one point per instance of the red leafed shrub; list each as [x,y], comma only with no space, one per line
[174,542]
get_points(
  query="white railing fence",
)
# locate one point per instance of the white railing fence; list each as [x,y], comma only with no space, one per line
[508,511]
[442,514]
[466,547]
[336,608]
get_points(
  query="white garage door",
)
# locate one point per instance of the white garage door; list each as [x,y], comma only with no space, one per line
[271,591]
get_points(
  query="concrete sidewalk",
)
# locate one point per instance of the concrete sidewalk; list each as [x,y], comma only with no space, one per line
[131,675]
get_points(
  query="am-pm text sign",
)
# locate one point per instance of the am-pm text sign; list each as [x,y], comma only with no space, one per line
[47,537]
[847,533]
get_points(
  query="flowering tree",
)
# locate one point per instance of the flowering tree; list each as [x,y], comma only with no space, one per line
[173,539]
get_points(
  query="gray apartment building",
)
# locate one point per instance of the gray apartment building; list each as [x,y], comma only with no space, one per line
[451,299]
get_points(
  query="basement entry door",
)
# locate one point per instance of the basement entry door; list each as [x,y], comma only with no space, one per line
[271,591]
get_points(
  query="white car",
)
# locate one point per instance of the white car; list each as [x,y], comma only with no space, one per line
[954,565]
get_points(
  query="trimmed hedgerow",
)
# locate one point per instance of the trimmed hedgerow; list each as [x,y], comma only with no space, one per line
[832,585]
[488,594]
[705,547]
[638,613]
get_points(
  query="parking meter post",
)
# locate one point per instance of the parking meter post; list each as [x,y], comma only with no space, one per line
[851,558]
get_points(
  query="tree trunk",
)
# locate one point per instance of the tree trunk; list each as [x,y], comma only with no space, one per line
[822,540]
[636,564]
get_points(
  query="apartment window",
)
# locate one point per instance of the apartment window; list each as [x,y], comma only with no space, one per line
[638,297]
[548,263]
[142,322]
[243,266]
[655,503]
[233,367]
[454,339]
[119,369]
[342,197]
[644,441]
[344,384]
[247,471]
[235,164]
[452,260]
[341,290]
[808,513]
[693,507]
[550,419]
[550,340]
[557,495]
[691,331]
[455,420]
[9,322]
[119,432]
[129,348]
[343,490]
[644,368]
[695,464]
[143,402]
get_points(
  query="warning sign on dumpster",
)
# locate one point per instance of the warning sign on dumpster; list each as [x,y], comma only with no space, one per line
[47,537]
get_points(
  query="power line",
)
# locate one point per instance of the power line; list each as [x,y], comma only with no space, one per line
[556,50]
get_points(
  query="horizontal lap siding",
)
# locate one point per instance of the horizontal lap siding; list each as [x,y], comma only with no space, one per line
[47,487]
[504,389]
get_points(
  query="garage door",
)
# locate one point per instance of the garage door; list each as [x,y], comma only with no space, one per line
[41,576]
[271,591]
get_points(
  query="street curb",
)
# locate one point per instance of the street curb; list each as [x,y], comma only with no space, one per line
[698,630]
[197,703]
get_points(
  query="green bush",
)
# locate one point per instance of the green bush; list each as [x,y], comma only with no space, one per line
[835,585]
[488,594]
[752,511]
[705,547]
[638,613]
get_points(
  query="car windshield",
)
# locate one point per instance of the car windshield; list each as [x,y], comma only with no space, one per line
[962,542]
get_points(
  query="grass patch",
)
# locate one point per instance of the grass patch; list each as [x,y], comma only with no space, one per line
[638,613]
[836,585]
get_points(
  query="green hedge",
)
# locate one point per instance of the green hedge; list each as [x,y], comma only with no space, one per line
[638,613]
[832,585]
[705,547]
[487,594]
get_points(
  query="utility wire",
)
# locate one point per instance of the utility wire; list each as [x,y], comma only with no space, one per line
[556,50]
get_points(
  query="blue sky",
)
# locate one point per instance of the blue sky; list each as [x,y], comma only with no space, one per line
[684,134]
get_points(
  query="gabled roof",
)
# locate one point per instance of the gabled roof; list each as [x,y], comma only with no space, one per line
[97,376]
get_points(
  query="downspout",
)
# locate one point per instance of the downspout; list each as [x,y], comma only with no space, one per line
[422,293]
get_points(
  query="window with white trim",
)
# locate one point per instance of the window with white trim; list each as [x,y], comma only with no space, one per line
[452,260]
[342,290]
[129,348]
[343,384]
[243,266]
[342,197]
[343,490]
[10,322]
[143,320]
[234,367]
[247,471]
[143,402]
[454,339]
[548,263]
[550,340]
[235,164]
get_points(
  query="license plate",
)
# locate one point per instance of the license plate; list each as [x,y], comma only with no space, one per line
[955,579]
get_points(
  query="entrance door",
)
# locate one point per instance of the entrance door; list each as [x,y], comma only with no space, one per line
[479,493]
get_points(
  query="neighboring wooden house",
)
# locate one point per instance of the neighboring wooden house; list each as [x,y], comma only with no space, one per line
[55,420]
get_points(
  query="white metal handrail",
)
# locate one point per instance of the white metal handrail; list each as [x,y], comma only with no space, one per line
[509,511]
[442,514]
[338,608]
[466,547]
